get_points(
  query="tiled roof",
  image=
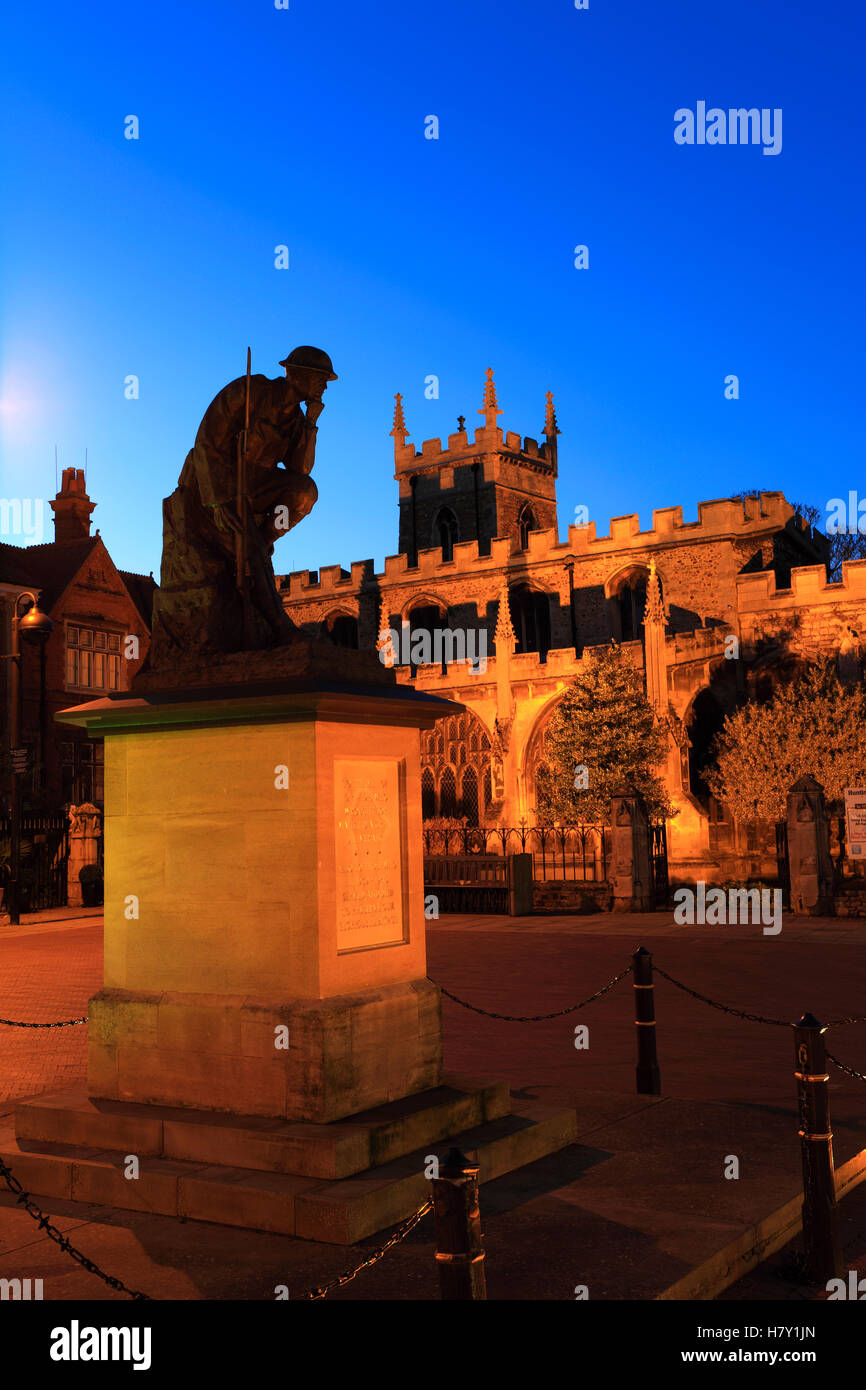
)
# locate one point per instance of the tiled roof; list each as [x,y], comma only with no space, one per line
[51,568]
[142,588]
[48,567]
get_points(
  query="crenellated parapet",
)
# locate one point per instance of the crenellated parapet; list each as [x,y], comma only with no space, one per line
[722,519]
[809,588]
[526,668]
[725,517]
[488,441]
[327,582]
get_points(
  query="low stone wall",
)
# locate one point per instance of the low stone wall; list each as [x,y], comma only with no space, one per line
[566,896]
[850,901]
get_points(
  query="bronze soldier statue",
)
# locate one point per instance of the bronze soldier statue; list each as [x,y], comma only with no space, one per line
[244,483]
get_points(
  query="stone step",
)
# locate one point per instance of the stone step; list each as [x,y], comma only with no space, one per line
[338,1212]
[332,1151]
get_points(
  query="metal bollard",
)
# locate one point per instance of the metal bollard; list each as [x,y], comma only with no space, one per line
[647,1071]
[822,1249]
[459,1248]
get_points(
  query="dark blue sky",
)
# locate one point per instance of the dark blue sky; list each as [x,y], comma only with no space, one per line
[411,257]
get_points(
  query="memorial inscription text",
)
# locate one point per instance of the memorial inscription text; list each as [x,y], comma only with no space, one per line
[369,853]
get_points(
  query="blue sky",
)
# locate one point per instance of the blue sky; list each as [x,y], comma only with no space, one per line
[411,257]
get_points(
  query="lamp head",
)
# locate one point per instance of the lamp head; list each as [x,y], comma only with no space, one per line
[34,626]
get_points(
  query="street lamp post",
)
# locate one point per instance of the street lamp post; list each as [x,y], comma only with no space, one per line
[36,627]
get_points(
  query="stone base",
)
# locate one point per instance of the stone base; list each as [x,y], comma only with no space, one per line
[303,658]
[334,1183]
[344,1054]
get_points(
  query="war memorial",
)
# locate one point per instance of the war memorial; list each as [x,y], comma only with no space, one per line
[266,1040]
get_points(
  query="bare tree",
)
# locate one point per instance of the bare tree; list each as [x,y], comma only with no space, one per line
[844,545]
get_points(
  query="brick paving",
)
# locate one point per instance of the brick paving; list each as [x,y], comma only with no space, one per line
[536,1223]
[537,965]
[48,971]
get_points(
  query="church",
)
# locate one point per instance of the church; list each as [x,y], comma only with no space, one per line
[711,610]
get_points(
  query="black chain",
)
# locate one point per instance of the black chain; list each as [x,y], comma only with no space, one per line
[401,1232]
[725,1008]
[52,1232]
[67,1023]
[858,1075]
[741,1013]
[536,1018]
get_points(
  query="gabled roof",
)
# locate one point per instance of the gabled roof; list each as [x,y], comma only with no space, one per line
[142,588]
[50,567]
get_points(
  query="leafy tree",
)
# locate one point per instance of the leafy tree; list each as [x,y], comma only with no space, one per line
[605,725]
[813,725]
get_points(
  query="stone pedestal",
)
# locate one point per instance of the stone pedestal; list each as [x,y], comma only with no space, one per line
[264,927]
[266,1039]
[809,862]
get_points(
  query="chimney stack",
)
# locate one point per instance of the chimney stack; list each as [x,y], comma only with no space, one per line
[72,507]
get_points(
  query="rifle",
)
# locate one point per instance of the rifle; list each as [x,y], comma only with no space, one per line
[242,579]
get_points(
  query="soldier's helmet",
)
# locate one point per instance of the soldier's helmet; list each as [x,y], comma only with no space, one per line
[314,359]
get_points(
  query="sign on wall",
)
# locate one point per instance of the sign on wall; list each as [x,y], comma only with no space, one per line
[855,815]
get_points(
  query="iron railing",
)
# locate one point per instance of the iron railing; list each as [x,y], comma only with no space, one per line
[44,855]
[573,853]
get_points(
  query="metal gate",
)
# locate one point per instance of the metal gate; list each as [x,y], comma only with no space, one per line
[658,834]
[44,856]
[467,883]
[783,862]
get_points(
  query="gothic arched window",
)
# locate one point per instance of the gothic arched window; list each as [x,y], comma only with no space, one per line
[627,605]
[448,793]
[428,794]
[343,631]
[456,754]
[425,619]
[488,787]
[469,799]
[525,523]
[632,604]
[530,616]
[445,532]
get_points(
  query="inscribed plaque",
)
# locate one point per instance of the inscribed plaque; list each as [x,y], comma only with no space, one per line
[369,853]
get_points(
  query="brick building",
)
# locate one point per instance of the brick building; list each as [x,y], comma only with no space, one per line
[96,609]
[479,551]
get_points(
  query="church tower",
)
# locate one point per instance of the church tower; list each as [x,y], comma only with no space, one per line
[494,486]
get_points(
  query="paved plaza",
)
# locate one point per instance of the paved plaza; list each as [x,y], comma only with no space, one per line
[630,1209]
